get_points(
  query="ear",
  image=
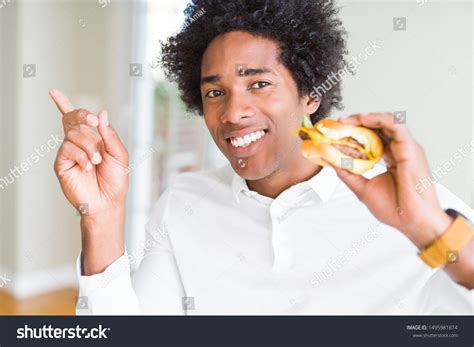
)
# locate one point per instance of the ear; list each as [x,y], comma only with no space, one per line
[311,103]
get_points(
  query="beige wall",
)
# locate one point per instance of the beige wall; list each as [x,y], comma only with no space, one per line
[7,124]
[72,45]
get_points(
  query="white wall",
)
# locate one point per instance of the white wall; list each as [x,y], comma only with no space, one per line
[425,70]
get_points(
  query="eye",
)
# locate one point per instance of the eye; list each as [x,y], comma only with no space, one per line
[259,85]
[214,93]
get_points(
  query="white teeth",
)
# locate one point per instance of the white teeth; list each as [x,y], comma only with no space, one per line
[247,139]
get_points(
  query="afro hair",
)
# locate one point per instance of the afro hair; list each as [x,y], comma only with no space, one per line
[310,35]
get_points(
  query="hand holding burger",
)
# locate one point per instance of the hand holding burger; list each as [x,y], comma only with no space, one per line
[391,196]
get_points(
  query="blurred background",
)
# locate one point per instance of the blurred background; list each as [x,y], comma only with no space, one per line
[413,57]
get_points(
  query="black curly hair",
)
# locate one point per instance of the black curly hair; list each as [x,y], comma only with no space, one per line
[310,35]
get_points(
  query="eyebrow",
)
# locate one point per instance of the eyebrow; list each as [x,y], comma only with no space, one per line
[245,72]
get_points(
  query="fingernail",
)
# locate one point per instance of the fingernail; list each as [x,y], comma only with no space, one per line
[92,120]
[104,118]
[88,166]
[96,158]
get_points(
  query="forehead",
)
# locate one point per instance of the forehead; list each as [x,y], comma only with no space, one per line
[228,51]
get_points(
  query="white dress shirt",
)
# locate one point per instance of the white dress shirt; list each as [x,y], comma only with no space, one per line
[215,247]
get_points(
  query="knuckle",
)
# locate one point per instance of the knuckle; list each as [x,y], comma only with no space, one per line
[56,166]
[81,114]
[90,147]
[82,156]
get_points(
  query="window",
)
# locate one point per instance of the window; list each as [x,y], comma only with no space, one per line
[167,140]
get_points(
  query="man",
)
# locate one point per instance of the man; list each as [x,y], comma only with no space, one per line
[272,233]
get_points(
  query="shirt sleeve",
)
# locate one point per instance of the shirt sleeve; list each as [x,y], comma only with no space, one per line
[443,295]
[154,288]
[107,293]
[449,200]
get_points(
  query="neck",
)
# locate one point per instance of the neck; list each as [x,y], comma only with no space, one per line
[284,177]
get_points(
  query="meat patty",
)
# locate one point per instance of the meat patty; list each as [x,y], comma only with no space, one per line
[304,136]
[351,152]
[351,140]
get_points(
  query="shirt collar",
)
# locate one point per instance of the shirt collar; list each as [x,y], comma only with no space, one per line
[323,184]
[238,185]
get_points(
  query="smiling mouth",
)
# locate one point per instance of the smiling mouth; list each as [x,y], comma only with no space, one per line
[247,140]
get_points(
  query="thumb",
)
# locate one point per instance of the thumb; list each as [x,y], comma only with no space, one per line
[356,183]
[112,143]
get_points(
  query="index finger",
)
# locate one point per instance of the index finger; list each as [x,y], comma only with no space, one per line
[62,102]
[386,122]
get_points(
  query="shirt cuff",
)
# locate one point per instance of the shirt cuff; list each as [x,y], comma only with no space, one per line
[109,292]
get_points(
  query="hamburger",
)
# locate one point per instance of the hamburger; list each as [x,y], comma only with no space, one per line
[350,147]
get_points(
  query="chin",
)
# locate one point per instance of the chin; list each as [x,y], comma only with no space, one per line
[251,171]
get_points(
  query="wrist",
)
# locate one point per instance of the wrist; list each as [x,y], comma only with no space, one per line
[113,214]
[102,237]
[433,229]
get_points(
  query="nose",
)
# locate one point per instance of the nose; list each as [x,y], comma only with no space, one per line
[238,106]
